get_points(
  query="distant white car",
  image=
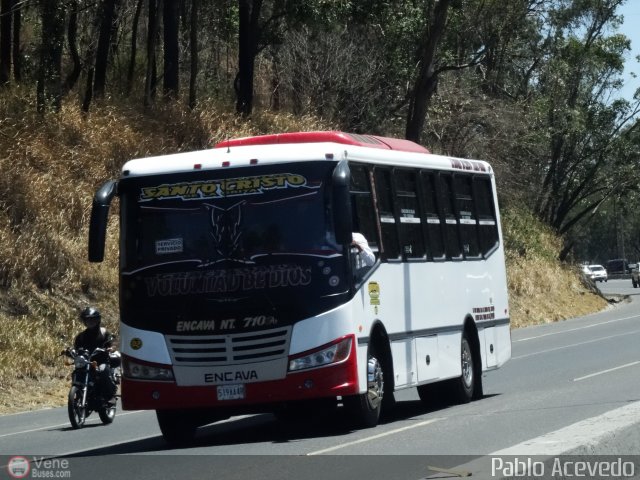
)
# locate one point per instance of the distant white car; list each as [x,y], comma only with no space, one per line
[598,273]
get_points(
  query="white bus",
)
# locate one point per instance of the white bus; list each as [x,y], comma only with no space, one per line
[240,290]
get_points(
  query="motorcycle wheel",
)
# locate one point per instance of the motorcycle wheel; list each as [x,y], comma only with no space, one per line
[77,411]
[107,414]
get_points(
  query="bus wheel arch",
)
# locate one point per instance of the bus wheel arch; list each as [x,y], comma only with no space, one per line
[365,409]
[468,386]
[382,344]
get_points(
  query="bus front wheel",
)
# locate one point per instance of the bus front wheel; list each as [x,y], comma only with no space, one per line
[365,408]
[176,427]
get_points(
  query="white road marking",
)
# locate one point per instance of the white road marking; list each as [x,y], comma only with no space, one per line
[59,425]
[606,371]
[586,434]
[575,329]
[375,437]
[14,414]
[575,344]
[84,450]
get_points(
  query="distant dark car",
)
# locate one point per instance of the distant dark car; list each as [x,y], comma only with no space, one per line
[619,265]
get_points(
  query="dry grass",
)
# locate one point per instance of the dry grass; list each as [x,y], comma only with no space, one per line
[541,290]
[51,166]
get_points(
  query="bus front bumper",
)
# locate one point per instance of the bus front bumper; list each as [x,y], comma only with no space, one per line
[329,381]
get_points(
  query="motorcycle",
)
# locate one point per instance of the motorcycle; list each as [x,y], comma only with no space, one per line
[91,390]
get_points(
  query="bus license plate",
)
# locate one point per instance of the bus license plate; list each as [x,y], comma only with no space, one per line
[230,392]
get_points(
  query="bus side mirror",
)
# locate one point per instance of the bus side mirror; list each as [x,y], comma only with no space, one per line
[98,222]
[341,180]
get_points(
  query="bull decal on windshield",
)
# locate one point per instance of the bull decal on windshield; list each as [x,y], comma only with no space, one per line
[225,223]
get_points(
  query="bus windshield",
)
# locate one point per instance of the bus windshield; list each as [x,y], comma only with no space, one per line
[259,236]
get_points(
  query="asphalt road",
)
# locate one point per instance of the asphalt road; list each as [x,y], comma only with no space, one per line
[560,374]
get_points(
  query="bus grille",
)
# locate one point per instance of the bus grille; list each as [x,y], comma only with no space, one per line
[229,349]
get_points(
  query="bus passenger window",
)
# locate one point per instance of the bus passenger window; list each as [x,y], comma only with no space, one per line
[487,225]
[467,216]
[409,213]
[365,244]
[384,196]
[362,207]
[454,251]
[431,217]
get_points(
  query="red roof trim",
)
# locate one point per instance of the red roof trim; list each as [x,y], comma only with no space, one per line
[370,141]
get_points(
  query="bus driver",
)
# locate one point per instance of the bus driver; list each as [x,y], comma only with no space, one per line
[365,254]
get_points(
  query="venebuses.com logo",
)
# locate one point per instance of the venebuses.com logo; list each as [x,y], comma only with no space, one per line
[38,467]
[18,467]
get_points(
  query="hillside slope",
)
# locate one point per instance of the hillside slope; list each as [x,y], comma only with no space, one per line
[51,167]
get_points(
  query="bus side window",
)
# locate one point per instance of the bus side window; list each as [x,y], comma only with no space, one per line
[362,206]
[452,236]
[467,216]
[408,209]
[431,218]
[487,224]
[384,198]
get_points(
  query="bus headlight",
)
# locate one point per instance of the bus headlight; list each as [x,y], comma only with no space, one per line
[325,355]
[140,371]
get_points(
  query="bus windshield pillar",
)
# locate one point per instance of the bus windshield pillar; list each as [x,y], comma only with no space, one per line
[99,217]
[342,203]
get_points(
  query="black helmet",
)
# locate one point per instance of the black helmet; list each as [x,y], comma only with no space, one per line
[90,317]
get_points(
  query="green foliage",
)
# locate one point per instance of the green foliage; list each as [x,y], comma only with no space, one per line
[525,236]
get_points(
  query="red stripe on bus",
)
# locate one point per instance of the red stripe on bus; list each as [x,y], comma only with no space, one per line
[332,381]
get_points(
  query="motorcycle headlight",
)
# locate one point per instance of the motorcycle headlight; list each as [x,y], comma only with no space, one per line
[80,362]
[335,353]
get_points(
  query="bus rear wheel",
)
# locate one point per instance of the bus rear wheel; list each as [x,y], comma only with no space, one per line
[177,427]
[462,388]
[365,408]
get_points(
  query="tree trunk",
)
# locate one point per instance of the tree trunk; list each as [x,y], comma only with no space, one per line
[49,88]
[151,77]
[171,20]
[193,40]
[275,81]
[248,37]
[108,15]
[5,41]
[427,79]
[88,94]
[17,25]
[72,39]
[134,47]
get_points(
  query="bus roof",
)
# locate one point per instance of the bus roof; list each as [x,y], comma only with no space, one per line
[371,141]
[302,146]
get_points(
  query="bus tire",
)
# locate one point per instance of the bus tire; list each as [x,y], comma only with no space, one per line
[177,428]
[364,409]
[463,387]
[307,411]
[431,394]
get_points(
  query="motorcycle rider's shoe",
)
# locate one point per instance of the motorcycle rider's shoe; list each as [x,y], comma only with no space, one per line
[111,402]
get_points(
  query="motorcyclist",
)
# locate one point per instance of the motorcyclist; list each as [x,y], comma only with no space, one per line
[96,336]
